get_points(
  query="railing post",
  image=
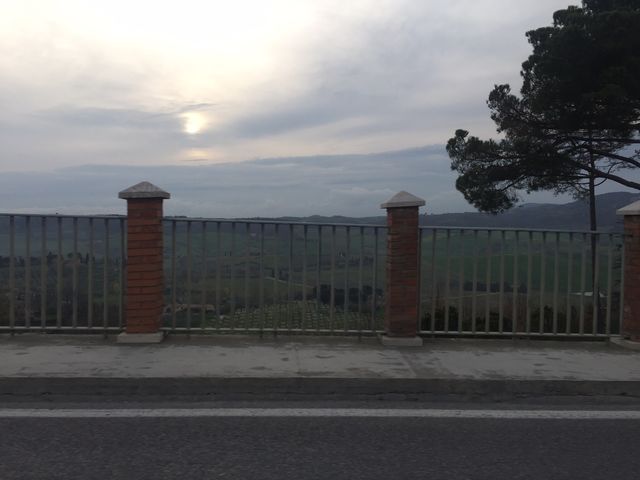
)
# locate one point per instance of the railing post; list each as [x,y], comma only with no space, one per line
[631,289]
[403,271]
[144,290]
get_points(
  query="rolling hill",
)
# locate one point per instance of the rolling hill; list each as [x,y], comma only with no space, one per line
[568,216]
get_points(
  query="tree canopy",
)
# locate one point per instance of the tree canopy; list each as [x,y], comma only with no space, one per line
[577,120]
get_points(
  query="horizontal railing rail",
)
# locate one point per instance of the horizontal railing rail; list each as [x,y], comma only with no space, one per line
[512,229]
[65,215]
[520,282]
[259,221]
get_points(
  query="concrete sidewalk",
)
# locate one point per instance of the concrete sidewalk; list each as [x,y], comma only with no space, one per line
[36,364]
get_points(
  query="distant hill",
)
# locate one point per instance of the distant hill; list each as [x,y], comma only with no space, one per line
[568,216]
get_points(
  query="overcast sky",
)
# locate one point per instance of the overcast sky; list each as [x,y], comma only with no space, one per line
[191,83]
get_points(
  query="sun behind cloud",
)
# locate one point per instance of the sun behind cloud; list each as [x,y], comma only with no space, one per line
[194,122]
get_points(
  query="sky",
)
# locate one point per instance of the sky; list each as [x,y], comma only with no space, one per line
[284,106]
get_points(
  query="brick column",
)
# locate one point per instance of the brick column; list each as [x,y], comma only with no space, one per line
[631,313]
[403,272]
[144,295]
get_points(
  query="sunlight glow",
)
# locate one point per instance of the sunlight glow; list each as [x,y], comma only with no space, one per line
[194,122]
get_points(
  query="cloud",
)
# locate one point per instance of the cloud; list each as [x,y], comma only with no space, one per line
[412,76]
[348,185]
[110,118]
[351,185]
[89,84]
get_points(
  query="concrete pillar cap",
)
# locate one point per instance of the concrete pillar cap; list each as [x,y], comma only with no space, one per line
[403,199]
[631,209]
[143,190]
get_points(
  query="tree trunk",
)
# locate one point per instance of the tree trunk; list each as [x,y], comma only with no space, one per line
[593,226]
[593,221]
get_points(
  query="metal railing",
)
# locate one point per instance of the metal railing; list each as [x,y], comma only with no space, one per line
[61,272]
[270,276]
[67,273]
[513,282]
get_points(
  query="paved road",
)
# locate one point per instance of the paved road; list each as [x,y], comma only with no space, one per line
[246,447]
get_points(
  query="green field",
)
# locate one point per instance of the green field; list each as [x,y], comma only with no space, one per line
[518,277]
[301,316]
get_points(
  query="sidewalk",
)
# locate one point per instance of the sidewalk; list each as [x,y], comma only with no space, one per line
[36,364]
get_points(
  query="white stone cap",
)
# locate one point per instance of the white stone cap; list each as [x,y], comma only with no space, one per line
[631,209]
[144,190]
[403,199]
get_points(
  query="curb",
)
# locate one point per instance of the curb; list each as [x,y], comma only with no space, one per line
[246,386]
[625,343]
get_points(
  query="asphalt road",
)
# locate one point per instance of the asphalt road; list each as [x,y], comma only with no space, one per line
[310,447]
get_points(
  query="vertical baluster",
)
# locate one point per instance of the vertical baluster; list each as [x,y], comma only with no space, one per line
[556,281]
[74,278]
[609,286]
[375,279]
[487,313]
[621,306]
[189,277]
[529,284]
[434,279]
[27,275]
[43,272]
[447,281]
[318,278]
[501,287]
[261,282]
[247,256]
[514,288]
[219,266]
[345,307]
[232,276]
[59,267]
[360,279]
[203,275]
[332,293]
[276,311]
[304,280]
[474,292]
[543,273]
[460,280]
[90,278]
[569,278]
[174,280]
[12,273]
[583,274]
[421,280]
[105,278]
[123,273]
[290,280]
[595,284]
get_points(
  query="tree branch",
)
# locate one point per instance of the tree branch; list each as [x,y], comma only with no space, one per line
[615,156]
[609,176]
[625,141]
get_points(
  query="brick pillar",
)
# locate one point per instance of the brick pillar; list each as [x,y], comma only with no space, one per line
[631,313]
[144,295]
[403,271]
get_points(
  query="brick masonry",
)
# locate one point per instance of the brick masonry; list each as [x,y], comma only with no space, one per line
[631,315]
[401,309]
[144,265]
